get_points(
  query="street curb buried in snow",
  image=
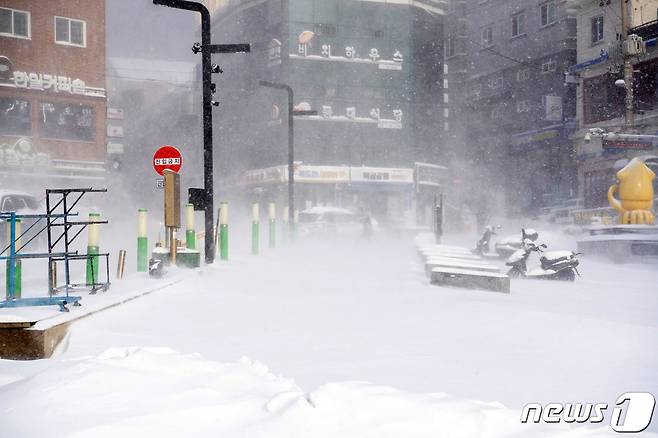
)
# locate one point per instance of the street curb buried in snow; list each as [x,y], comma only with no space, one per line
[38,339]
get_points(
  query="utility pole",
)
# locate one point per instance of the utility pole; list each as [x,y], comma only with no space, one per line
[203,199]
[291,148]
[629,116]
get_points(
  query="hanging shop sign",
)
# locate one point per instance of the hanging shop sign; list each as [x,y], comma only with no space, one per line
[115,113]
[52,83]
[114,131]
[553,106]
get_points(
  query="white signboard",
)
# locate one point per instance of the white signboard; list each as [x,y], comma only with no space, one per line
[380,174]
[114,148]
[115,113]
[53,83]
[322,174]
[553,105]
[114,131]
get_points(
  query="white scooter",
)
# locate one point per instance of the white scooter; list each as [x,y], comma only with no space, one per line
[555,265]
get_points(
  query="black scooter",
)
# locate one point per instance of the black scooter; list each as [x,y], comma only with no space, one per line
[555,265]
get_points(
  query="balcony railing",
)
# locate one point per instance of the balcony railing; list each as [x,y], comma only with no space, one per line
[647,30]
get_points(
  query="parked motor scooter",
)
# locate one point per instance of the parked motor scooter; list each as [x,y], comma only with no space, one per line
[555,265]
[483,246]
[507,246]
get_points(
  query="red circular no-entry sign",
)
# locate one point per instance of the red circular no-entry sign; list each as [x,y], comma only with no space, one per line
[167,157]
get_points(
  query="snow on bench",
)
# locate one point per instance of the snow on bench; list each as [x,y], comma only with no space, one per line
[459,264]
[442,248]
[452,255]
[470,279]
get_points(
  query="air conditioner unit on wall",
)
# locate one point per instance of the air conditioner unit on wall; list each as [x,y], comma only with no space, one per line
[634,45]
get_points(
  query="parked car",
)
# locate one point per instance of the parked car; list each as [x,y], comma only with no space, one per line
[334,221]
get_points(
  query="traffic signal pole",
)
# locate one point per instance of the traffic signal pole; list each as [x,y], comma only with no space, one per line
[206,201]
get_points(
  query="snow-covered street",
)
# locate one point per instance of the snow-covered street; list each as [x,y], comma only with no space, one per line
[323,313]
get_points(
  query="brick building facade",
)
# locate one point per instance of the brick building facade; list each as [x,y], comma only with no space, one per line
[52,91]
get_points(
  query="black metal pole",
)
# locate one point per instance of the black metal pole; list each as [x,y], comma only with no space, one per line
[291,148]
[291,166]
[207,118]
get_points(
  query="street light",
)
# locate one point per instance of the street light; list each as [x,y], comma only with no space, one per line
[204,199]
[291,147]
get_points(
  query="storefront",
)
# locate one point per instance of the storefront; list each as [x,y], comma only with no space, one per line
[385,193]
[599,160]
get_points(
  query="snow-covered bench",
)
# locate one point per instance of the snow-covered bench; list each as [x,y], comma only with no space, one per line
[436,262]
[470,279]
[442,248]
[453,255]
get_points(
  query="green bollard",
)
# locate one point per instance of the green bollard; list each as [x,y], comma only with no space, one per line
[223,231]
[93,239]
[142,241]
[272,214]
[255,229]
[18,264]
[284,229]
[190,234]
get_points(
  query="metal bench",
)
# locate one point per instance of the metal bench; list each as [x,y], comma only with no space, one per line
[459,264]
[443,248]
[452,255]
[470,279]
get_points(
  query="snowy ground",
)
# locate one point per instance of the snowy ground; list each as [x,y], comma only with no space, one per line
[329,317]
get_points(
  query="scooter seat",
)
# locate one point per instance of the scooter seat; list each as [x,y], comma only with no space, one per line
[556,256]
[552,258]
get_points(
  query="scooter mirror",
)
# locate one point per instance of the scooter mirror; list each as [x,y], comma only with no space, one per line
[543,245]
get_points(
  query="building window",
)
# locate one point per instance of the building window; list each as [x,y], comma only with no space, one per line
[476,90]
[523,106]
[597,29]
[523,75]
[15,116]
[325,29]
[495,82]
[548,13]
[602,100]
[450,47]
[70,32]
[518,24]
[487,36]
[67,121]
[548,66]
[497,113]
[14,23]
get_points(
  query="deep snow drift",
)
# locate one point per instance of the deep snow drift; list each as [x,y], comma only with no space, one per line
[343,312]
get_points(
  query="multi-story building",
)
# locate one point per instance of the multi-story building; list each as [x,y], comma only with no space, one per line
[52,92]
[373,70]
[511,113]
[601,94]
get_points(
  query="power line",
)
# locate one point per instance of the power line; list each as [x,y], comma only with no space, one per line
[502,55]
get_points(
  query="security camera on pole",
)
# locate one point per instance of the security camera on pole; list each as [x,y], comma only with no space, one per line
[203,199]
